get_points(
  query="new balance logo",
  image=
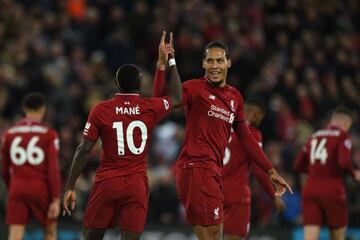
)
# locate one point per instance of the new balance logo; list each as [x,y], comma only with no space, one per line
[166,104]
[212,97]
[216,213]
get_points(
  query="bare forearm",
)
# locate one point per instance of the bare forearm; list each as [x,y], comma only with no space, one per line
[81,157]
[175,86]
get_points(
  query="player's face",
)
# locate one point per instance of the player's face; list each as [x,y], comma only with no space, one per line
[253,114]
[347,123]
[216,65]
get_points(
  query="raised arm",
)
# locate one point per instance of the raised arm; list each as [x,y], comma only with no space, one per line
[160,89]
[159,83]
[175,86]
[81,157]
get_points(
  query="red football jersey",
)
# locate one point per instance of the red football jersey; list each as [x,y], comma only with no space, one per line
[236,171]
[124,125]
[326,158]
[210,113]
[30,154]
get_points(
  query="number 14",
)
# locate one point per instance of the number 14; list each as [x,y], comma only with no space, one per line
[318,151]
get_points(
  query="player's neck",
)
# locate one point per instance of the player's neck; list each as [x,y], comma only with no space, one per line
[36,117]
[216,84]
[337,125]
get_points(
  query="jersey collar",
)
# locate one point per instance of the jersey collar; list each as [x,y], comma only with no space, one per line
[127,94]
[209,83]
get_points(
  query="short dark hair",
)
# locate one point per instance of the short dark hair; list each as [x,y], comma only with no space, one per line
[33,101]
[257,103]
[128,78]
[217,44]
[342,110]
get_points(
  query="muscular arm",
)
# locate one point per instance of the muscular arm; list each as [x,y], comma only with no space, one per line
[81,157]
[159,84]
[175,87]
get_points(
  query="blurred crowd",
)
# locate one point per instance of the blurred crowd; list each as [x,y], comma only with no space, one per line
[300,57]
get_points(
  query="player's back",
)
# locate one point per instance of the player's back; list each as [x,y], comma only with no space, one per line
[26,150]
[327,156]
[324,153]
[124,125]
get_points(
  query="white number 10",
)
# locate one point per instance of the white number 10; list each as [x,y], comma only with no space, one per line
[130,137]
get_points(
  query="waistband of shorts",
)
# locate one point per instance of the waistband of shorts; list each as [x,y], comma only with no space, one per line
[217,170]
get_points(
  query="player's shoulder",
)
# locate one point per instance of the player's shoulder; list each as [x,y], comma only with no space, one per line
[52,131]
[233,91]
[103,104]
[45,128]
[155,102]
[194,82]
[331,131]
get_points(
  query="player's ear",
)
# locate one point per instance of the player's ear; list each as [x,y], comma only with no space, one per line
[229,63]
[203,63]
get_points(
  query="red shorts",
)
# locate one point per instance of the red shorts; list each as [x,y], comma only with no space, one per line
[318,211]
[121,201]
[23,204]
[237,213]
[200,191]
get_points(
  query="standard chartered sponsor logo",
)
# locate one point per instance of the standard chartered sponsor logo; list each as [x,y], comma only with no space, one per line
[218,112]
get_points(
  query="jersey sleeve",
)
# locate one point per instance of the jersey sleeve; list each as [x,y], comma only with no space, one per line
[301,163]
[92,126]
[259,173]
[53,173]
[162,106]
[247,140]
[343,155]
[159,84]
[5,156]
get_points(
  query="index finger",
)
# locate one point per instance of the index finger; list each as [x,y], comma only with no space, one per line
[171,40]
[289,188]
[162,41]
